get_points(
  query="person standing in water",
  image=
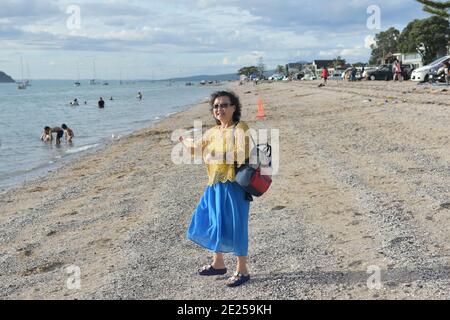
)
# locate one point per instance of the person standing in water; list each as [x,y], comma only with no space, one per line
[68,133]
[139,96]
[101,103]
[59,134]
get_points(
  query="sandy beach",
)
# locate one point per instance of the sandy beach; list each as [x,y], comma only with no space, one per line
[363,184]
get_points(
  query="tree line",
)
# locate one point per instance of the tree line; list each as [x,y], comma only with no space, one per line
[429,37]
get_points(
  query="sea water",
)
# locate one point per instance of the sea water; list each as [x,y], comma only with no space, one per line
[24,114]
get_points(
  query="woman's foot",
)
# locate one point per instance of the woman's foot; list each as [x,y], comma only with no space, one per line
[237,279]
[209,270]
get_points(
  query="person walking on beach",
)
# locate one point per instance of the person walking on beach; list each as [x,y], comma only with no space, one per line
[68,133]
[397,70]
[220,221]
[101,103]
[325,75]
[353,74]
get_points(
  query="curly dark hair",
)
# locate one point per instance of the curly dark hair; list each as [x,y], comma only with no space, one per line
[234,99]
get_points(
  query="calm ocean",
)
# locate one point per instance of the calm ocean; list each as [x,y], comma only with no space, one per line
[24,113]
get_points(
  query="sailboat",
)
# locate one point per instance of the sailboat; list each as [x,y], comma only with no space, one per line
[77,83]
[92,82]
[27,82]
[21,85]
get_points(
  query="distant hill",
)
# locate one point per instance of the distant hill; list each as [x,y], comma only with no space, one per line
[4,78]
[218,77]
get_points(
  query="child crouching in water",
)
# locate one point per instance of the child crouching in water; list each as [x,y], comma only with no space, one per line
[47,135]
[68,133]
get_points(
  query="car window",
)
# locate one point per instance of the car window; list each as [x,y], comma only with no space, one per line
[439,61]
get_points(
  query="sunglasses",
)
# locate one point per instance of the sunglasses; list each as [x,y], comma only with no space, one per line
[222,105]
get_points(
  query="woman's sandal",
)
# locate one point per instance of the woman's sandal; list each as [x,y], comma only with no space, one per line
[208,270]
[237,279]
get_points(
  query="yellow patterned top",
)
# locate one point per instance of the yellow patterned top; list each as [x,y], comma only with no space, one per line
[221,148]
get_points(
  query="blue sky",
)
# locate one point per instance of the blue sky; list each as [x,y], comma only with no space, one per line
[163,39]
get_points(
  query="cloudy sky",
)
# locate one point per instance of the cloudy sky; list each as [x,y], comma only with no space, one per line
[171,38]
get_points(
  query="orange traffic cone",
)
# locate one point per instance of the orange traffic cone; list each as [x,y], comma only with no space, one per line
[260,115]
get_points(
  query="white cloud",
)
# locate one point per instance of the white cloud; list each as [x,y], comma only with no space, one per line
[355,52]
[232,33]
[249,58]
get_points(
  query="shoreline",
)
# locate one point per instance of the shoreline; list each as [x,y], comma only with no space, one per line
[363,182]
[20,179]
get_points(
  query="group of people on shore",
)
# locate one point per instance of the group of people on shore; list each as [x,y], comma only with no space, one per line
[64,130]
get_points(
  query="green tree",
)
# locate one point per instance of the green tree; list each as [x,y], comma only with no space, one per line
[438,8]
[385,42]
[338,61]
[428,37]
[279,69]
[247,71]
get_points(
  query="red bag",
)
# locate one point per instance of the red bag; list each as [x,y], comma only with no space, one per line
[260,183]
[252,181]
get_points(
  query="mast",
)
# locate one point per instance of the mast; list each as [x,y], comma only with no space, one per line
[27,81]
[94,73]
[21,67]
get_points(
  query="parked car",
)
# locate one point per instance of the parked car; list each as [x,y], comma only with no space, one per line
[309,77]
[384,72]
[367,70]
[407,70]
[423,74]
[347,73]
[299,76]
[276,77]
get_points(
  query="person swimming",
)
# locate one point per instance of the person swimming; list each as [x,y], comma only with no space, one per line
[68,133]
[74,103]
[47,134]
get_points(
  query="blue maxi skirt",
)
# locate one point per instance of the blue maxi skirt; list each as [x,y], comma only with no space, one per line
[220,222]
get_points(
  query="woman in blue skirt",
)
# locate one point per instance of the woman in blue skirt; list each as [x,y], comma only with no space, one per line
[220,221]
